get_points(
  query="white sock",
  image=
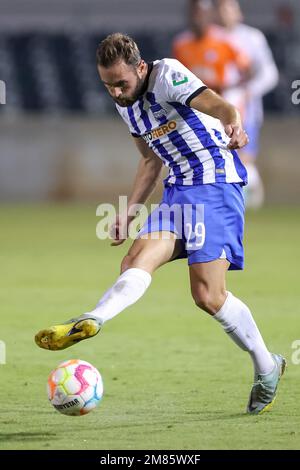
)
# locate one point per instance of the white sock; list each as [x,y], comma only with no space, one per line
[128,288]
[236,319]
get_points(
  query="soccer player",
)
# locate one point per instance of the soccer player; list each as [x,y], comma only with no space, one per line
[264,77]
[175,120]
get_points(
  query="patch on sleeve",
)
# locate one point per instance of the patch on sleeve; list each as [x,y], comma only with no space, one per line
[179,78]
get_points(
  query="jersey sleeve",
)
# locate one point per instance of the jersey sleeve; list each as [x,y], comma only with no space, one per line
[179,83]
[265,76]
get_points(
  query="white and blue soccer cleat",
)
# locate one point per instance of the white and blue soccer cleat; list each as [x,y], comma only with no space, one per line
[263,392]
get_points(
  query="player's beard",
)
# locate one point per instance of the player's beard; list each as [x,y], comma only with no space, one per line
[129,100]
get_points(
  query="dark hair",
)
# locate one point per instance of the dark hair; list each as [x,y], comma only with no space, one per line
[115,47]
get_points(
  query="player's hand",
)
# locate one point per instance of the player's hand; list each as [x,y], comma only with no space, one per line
[239,137]
[119,230]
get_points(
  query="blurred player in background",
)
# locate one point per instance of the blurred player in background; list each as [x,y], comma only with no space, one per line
[241,77]
[208,55]
[176,121]
[264,77]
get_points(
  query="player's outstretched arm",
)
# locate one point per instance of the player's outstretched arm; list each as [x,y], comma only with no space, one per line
[211,103]
[148,172]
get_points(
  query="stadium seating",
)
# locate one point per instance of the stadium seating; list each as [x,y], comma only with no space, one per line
[56,72]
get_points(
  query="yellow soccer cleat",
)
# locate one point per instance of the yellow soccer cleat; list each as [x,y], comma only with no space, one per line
[63,336]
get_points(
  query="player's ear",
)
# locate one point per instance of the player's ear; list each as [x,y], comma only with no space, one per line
[141,68]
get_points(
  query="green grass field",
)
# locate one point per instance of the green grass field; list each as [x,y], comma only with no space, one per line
[172,378]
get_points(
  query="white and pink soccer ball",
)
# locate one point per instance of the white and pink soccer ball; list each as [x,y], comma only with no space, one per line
[75,387]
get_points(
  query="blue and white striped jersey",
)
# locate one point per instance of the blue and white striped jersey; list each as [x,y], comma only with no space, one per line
[191,144]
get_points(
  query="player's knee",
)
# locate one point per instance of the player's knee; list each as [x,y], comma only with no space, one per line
[209,300]
[133,259]
[127,262]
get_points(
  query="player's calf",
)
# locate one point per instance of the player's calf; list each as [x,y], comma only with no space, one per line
[210,302]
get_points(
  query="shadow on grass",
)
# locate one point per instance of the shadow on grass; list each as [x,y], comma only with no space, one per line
[26,436]
[188,418]
[217,415]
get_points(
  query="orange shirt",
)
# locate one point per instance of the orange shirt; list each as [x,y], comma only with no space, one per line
[211,58]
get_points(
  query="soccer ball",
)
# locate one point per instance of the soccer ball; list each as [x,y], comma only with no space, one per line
[75,387]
